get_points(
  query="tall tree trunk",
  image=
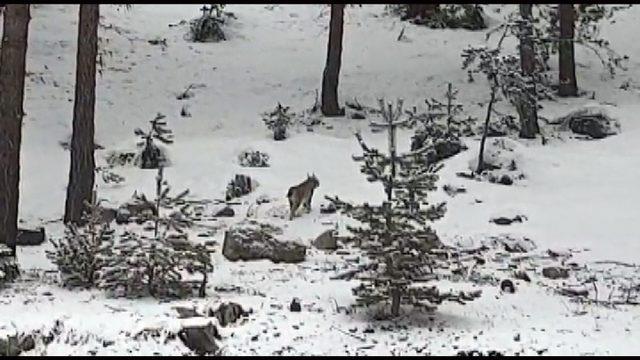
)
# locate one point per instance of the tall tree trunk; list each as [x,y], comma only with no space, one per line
[526,104]
[568,84]
[12,73]
[81,172]
[331,73]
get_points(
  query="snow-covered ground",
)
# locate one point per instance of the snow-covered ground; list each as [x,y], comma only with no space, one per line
[578,195]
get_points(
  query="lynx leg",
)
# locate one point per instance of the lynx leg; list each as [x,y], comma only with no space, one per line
[293,206]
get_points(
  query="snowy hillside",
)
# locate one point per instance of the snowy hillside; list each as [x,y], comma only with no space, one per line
[579,197]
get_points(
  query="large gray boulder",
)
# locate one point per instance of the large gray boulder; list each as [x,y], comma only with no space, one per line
[255,241]
[326,241]
[592,121]
[28,237]
[201,339]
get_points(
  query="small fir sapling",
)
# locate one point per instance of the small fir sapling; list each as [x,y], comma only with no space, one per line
[152,156]
[208,27]
[278,121]
[395,236]
[142,265]
[445,136]
[80,254]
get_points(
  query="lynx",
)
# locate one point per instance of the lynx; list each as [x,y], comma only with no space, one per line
[301,195]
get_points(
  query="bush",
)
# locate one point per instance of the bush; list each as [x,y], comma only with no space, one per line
[79,255]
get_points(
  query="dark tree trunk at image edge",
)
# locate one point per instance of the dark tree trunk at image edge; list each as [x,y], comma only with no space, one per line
[12,73]
[331,73]
[81,172]
[567,83]
[527,105]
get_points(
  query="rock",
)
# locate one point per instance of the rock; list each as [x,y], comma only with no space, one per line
[295,305]
[516,337]
[326,241]
[522,275]
[592,121]
[554,272]
[228,313]
[452,190]
[506,221]
[250,158]
[8,266]
[10,346]
[185,312]
[28,237]
[507,285]
[225,212]
[328,208]
[254,241]
[123,216]
[27,343]
[201,339]
[358,116]
[505,180]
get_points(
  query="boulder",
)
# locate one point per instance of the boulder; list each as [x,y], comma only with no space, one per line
[228,313]
[254,241]
[593,121]
[8,266]
[201,339]
[225,212]
[295,305]
[28,237]
[554,272]
[329,208]
[326,241]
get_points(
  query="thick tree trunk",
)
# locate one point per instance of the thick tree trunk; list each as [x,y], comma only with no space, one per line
[527,102]
[81,172]
[421,10]
[331,73]
[12,73]
[568,85]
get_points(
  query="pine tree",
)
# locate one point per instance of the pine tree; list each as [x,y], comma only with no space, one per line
[151,156]
[331,74]
[12,74]
[82,169]
[80,254]
[397,238]
[141,265]
[566,57]
[278,121]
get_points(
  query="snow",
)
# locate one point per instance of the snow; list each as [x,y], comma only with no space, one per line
[577,194]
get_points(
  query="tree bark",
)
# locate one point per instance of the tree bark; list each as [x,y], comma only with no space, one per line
[526,104]
[82,169]
[331,73]
[567,83]
[480,167]
[12,75]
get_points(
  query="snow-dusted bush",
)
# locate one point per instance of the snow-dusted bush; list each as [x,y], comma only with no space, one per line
[452,16]
[239,186]
[251,158]
[442,127]
[278,121]
[156,265]
[80,253]
[208,27]
[502,162]
[152,156]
